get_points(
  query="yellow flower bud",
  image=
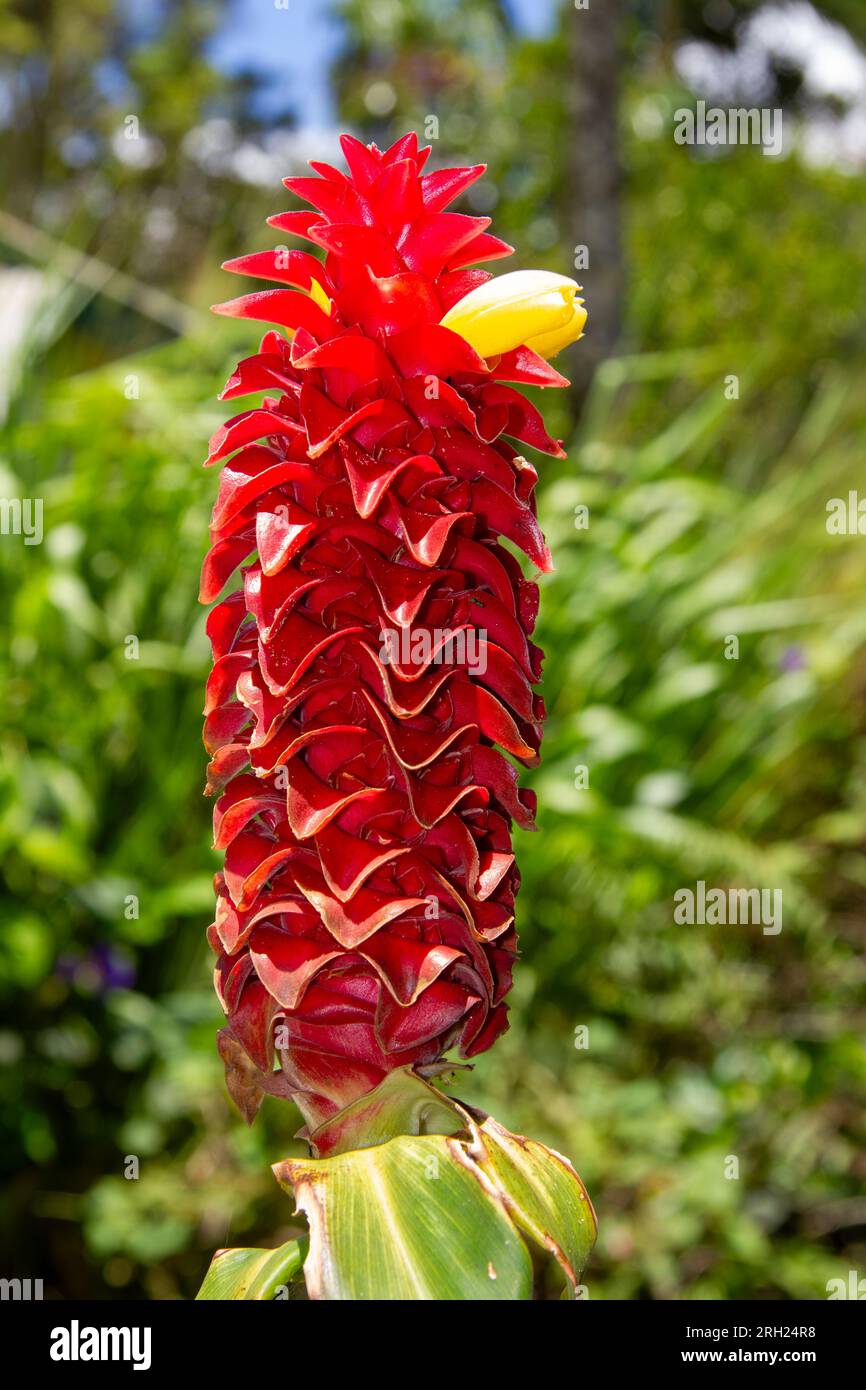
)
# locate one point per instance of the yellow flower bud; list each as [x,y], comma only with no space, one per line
[535,307]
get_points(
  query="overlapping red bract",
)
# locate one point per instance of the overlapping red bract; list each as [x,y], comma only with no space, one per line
[365,915]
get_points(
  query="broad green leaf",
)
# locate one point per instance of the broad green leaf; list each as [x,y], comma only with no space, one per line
[544,1195]
[412,1219]
[252,1274]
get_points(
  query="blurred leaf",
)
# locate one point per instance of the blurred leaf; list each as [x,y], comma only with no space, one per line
[252,1274]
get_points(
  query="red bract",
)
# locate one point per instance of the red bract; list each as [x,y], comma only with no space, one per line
[378,650]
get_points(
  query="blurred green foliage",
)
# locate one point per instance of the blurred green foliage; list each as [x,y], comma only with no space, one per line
[704,1042]
[706,521]
[104,97]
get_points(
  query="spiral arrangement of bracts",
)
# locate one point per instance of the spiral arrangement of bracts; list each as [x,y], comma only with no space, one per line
[378,656]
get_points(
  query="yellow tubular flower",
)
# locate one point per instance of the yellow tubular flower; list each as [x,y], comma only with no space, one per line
[319,295]
[534,307]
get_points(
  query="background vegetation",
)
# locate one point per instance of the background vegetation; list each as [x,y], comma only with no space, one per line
[707,516]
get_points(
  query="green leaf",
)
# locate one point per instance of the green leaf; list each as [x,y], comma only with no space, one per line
[544,1195]
[252,1274]
[411,1219]
[438,1217]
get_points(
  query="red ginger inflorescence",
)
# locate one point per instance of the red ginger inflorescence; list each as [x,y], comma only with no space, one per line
[378,650]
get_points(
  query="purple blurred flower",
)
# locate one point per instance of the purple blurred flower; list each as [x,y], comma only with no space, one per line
[793,658]
[97,971]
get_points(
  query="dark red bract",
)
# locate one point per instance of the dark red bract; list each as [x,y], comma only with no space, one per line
[378,650]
